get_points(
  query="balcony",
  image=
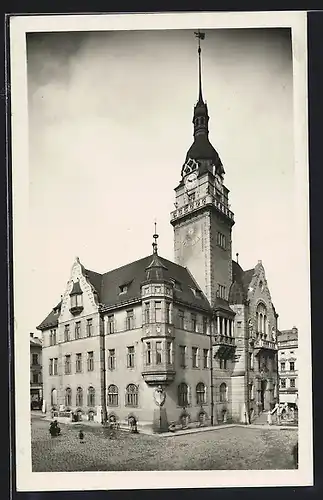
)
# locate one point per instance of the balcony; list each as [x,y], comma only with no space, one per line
[224,346]
[76,310]
[205,201]
[157,330]
[158,374]
[265,344]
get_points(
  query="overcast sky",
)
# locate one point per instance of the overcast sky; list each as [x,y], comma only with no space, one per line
[110,122]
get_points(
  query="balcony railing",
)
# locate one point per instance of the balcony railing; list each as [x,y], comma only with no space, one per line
[197,204]
[265,344]
[225,340]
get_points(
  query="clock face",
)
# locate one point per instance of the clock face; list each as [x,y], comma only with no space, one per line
[191,181]
[192,236]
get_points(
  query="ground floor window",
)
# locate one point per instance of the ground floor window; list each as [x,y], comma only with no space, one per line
[132,395]
[91,396]
[112,395]
[223,392]
[200,394]
[183,394]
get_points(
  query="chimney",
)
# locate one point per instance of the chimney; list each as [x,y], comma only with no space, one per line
[31,335]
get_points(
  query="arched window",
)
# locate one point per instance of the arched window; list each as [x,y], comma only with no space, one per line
[182,394]
[132,395]
[261,315]
[223,392]
[53,397]
[112,395]
[200,393]
[68,396]
[91,396]
[79,396]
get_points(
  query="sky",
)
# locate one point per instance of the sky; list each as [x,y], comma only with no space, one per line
[110,122]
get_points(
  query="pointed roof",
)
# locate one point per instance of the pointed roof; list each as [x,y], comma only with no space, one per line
[76,290]
[241,280]
[155,270]
[202,149]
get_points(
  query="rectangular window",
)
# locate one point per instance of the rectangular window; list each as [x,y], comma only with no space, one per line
[78,367]
[205,358]
[89,327]
[77,329]
[112,359]
[35,359]
[292,382]
[291,366]
[181,319]
[158,311]
[76,300]
[169,353]
[67,364]
[130,320]
[282,367]
[130,357]
[182,356]
[221,240]
[55,366]
[35,378]
[51,363]
[67,333]
[283,383]
[52,337]
[221,291]
[223,364]
[147,312]
[195,357]
[148,353]
[111,323]
[193,322]
[90,361]
[158,353]
[204,324]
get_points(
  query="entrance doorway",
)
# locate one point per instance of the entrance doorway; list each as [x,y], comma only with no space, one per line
[263,394]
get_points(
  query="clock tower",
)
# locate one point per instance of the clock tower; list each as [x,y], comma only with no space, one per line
[202,219]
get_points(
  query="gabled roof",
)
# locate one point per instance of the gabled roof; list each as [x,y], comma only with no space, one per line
[240,283]
[51,321]
[132,275]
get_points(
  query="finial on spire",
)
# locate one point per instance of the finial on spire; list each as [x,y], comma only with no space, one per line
[155,236]
[200,36]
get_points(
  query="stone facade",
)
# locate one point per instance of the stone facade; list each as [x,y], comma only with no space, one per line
[288,366]
[165,343]
[36,378]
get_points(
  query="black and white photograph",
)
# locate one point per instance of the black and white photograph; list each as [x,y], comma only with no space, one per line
[161,250]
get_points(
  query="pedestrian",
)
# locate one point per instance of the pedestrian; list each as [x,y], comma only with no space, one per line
[81,436]
[269,418]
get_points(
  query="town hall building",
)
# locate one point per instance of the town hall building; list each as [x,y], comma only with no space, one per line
[190,342]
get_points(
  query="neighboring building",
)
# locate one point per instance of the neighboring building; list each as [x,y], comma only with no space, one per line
[36,384]
[190,341]
[288,366]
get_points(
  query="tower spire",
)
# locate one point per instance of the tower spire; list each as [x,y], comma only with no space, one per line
[155,236]
[200,36]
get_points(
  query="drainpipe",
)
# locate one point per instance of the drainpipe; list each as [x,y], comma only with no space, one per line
[103,369]
[211,373]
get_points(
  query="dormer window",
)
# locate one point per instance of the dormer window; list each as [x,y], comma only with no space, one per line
[124,288]
[177,285]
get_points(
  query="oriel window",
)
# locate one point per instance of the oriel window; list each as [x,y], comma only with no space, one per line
[158,353]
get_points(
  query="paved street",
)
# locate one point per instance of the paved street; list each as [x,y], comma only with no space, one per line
[230,448]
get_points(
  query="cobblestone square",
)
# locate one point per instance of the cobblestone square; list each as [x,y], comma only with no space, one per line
[232,448]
